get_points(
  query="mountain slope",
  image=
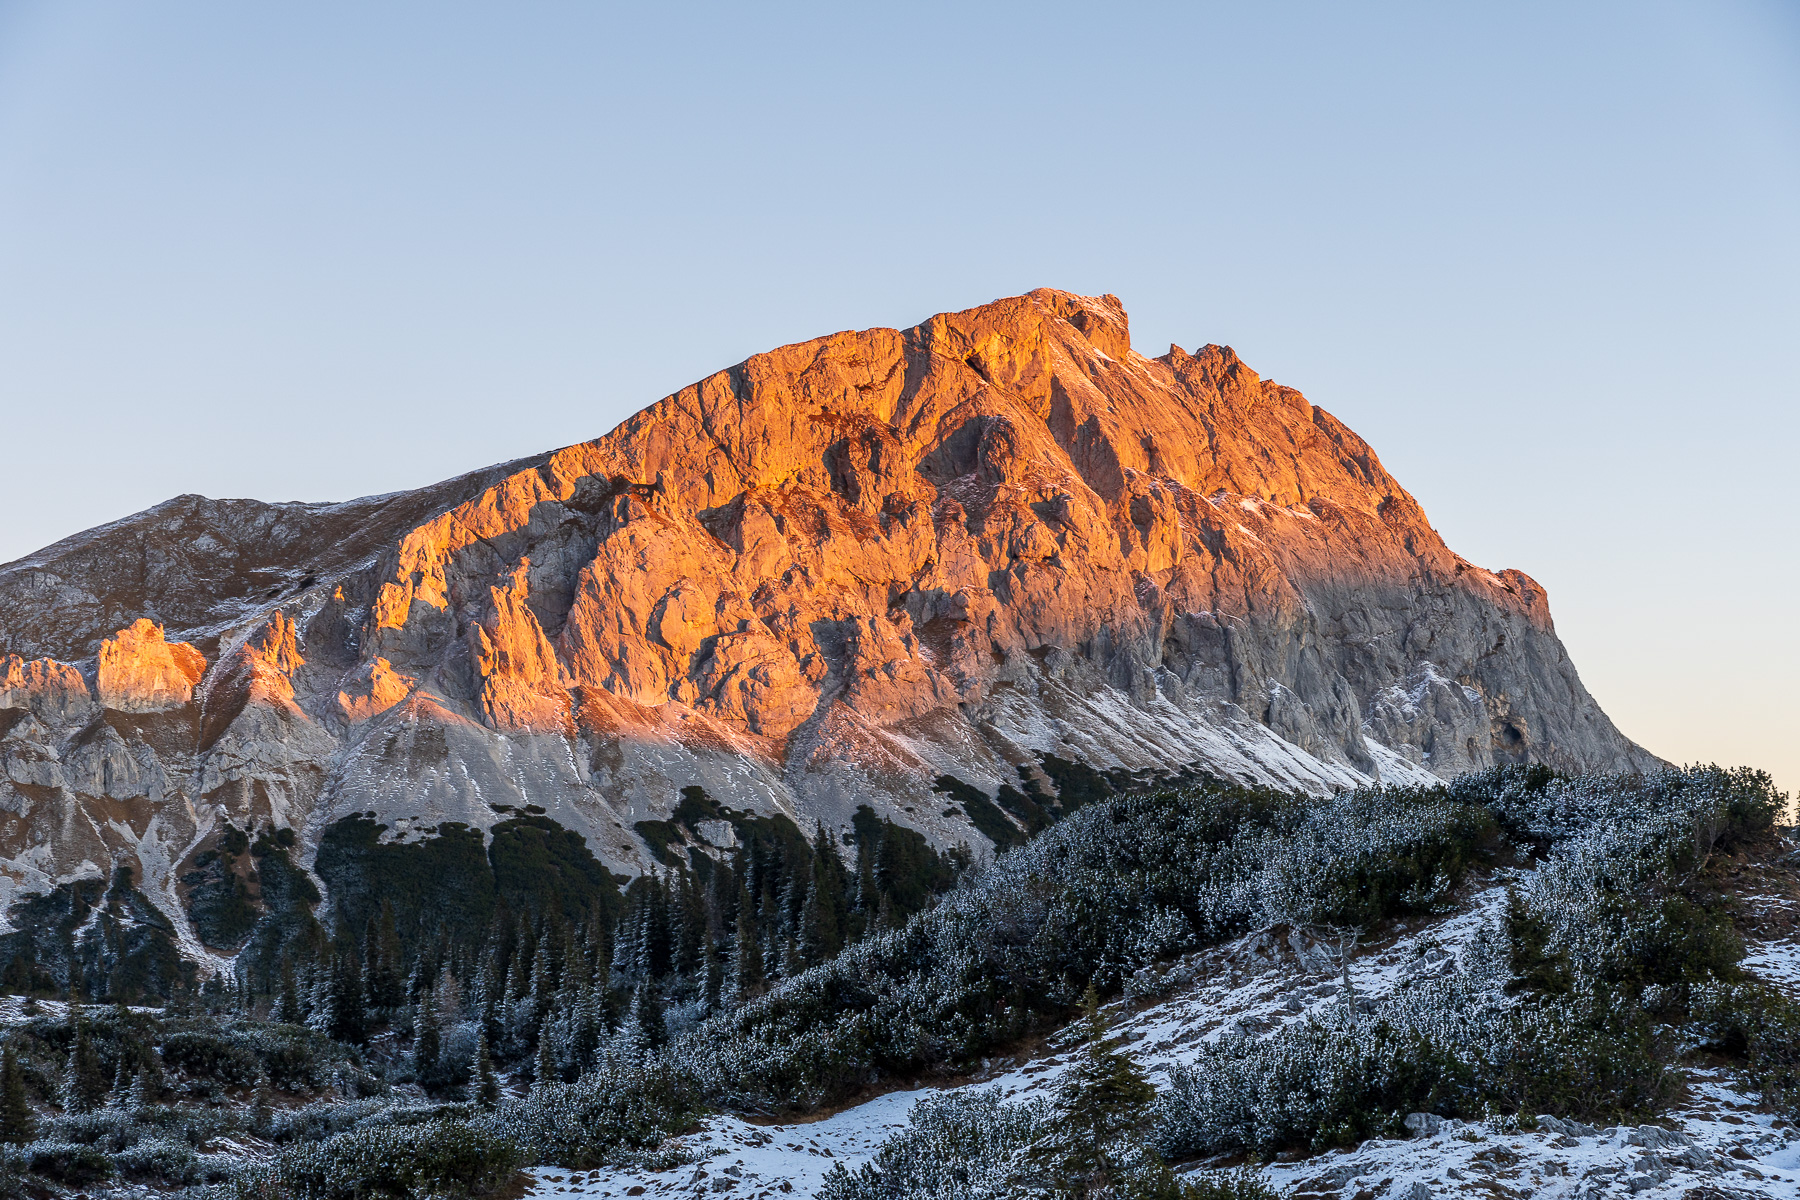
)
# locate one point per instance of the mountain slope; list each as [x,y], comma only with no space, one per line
[984,547]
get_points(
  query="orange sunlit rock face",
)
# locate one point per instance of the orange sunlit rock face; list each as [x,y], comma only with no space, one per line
[54,690]
[943,499]
[139,672]
[372,689]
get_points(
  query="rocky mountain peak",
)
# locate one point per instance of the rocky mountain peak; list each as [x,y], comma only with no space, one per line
[837,574]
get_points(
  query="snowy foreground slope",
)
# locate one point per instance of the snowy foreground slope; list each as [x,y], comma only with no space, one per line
[1719,1142]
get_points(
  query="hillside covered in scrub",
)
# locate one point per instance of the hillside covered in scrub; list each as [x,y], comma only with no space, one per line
[1273,983]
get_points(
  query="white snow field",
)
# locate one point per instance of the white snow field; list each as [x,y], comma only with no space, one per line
[1719,1145]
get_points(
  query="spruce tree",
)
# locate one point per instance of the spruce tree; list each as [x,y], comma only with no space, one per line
[822,922]
[353,1024]
[659,939]
[343,1013]
[690,929]
[18,1123]
[589,1025]
[543,1066]
[427,1043]
[1100,1109]
[419,981]
[519,986]
[599,946]
[538,998]
[486,1091]
[385,985]
[770,930]
[448,994]
[793,901]
[143,1091]
[647,1018]
[712,977]
[262,1105]
[123,1076]
[746,978]
[491,1026]
[287,1007]
[84,1079]
[812,940]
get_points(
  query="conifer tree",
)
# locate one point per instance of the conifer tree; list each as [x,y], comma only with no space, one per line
[123,1076]
[537,1000]
[287,1007]
[712,979]
[262,1104]
[386,985]
[746,976]
[448,994]
[769,931]
[343,1015]
[598,944]
[1101,1105]
[818,933]
[659,940]
[589,1024]
[18,1123]
[482,992]
[651,1029]
[690,929]
[519,985]
[418,981]
[543,1066]
[491,1026]
[486,1090]
[143,1090]
[822,921]
[427,1043]
[84,1080]
[793,899]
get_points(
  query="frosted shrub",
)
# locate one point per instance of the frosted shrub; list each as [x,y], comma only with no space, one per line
[321,1119]
[1761,1027]
[619,1108]
[67,1162]
[442,1159]
[159,1160]
[1607,904]
[957,1146]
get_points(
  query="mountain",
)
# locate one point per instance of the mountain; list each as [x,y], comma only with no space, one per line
[949,572]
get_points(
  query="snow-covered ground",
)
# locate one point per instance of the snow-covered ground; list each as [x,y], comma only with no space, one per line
[1720,1140]
[748,1160]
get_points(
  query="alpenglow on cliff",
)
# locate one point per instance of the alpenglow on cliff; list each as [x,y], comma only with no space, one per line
[830,576]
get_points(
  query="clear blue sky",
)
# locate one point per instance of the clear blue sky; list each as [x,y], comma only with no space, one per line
[1546,258]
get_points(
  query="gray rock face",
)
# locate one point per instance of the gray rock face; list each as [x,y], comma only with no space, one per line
[821,579]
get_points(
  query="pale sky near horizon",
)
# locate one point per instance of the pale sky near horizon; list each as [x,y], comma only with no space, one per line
[1544,257]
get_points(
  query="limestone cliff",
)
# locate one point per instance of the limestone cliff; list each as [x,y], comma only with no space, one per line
[825,577]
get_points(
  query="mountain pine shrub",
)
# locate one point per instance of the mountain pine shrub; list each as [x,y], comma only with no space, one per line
[450,1159]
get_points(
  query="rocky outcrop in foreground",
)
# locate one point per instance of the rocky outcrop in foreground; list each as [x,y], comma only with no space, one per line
[996,547]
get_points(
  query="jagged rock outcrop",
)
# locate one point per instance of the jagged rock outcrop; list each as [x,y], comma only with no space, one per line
[139,672]
[825,577]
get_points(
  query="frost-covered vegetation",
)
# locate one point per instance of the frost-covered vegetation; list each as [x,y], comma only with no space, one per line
[1112,889]
[1617,954]
[578,1030]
